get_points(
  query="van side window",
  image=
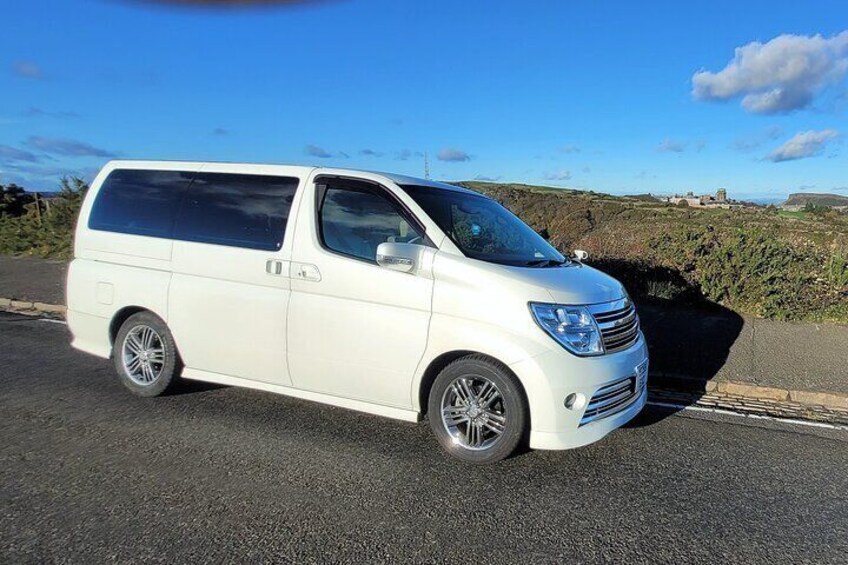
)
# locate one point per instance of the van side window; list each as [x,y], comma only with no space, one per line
[237,210]
[139,202]
[354,220]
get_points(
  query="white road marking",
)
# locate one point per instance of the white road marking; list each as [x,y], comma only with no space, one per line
[51,321]
[808,423]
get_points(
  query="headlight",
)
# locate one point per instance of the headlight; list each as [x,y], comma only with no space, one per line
[572,326]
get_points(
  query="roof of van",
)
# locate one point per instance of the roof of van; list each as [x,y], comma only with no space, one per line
[403,179]
[305,169]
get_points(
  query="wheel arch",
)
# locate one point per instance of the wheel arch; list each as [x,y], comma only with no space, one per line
[440,362]
[122,315]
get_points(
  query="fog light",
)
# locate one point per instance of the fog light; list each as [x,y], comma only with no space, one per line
[574,401]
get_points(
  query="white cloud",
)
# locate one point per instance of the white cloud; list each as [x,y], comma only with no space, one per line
[10,154]
[69,147]
[35,112]
[406,154]
[802,145]
[560,175]
[27,69]
[749,143]
[453,155]
[669,145]
[568,149]
[315,151]
[781,75]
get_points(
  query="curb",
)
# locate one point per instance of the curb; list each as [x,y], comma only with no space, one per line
[749,392]
[32,308]
[811,405]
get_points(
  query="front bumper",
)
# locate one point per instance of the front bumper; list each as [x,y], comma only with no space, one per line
[550,377]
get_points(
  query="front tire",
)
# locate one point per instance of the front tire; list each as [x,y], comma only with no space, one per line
[477,410]
[145,355]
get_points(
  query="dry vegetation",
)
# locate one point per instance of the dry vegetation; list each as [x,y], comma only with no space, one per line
[752,260]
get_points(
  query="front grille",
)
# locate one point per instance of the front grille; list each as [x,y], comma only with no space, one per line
[610,399]
[618,322]
[616,397]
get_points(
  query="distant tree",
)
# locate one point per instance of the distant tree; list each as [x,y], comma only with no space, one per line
[45,227]
[64,208]
[13,200]
[683,204]
[816,209]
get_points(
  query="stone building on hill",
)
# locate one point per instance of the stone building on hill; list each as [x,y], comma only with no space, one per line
[717,200]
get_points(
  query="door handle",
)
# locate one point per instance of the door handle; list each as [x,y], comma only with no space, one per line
[274,267]
[306,272]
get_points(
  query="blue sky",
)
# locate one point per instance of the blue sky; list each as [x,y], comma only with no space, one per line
[597,95]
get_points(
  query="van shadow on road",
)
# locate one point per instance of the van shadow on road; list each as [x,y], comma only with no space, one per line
[690,339]
[689,346]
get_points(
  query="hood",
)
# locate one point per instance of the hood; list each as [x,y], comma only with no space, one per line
[572,284]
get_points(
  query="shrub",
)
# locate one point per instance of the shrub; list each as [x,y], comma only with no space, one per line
[46,227]
[748,269]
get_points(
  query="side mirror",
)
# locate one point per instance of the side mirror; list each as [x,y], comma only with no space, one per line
[400,257]
[580,255]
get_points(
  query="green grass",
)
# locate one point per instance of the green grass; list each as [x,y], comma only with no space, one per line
[799,215]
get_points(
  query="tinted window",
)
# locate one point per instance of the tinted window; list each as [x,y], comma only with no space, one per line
[355,220]
[237,210]
[139,202]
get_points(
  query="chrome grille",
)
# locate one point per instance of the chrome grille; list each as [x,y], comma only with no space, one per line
[618,322]
[617,396]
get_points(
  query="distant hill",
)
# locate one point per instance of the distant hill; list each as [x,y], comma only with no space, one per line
[754,260]
[801,199]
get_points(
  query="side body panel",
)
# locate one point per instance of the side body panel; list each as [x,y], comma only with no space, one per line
[98,290]
[356,330]
[112,271]
[228,305]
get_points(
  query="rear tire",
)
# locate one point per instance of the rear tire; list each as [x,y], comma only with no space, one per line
[145,355]
[477,410]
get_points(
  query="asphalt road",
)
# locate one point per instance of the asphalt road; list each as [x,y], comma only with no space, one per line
[33,279]
[89,473]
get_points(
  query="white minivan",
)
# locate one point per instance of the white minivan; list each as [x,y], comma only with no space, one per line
[392,295]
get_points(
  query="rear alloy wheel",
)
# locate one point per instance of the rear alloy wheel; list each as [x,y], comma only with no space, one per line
[477,410]
[145,355]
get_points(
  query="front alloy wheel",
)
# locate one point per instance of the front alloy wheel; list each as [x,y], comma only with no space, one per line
[478,410]
[473,412]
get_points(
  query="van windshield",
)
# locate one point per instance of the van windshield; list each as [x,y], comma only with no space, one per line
[485,230]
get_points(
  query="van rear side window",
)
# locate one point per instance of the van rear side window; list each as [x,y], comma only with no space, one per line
[139,202]
[236,210]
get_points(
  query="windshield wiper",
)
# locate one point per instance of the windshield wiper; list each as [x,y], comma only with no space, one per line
[544,263]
